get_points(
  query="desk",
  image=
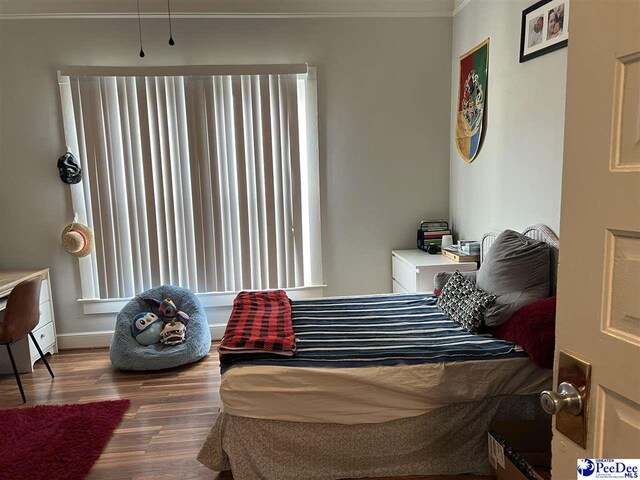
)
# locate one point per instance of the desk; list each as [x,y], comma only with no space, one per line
[24,351]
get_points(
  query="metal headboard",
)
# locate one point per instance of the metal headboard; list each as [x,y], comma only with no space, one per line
[537,232]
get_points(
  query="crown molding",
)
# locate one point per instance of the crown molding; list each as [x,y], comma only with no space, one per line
[458,5]
[110,9]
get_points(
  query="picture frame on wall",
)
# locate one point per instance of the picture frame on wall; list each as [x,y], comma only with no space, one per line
[544,28]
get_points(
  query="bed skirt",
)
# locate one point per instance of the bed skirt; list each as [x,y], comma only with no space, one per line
[449,440]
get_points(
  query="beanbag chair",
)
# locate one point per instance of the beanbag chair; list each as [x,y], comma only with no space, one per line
[127,354]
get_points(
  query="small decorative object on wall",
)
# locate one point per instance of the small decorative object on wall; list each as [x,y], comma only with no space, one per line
[69,169]
[472,97]
[545,28]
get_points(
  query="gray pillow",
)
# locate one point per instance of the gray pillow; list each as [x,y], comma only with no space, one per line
[517,270]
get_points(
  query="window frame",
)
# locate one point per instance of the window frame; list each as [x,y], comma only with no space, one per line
[89,300]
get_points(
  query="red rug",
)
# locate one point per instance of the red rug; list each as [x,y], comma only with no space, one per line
[56,441]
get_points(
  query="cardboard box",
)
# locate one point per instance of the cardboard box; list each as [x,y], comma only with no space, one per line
[520,450]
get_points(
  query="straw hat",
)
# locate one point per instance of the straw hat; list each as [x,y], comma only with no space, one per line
[77,239]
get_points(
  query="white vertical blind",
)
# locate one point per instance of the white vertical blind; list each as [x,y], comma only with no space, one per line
[207,182]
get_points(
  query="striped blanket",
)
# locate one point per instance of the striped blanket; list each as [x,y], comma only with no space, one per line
[380,330]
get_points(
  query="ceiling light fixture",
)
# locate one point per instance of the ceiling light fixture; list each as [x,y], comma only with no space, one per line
[140,29]
[171,42]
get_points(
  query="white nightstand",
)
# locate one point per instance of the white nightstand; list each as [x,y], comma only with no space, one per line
[413,270]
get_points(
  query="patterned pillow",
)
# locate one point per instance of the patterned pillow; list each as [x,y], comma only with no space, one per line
[464,303]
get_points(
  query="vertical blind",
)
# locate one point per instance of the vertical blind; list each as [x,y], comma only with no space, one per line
[209,182]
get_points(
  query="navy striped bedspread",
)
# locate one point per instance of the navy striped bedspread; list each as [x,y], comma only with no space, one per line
[380,330]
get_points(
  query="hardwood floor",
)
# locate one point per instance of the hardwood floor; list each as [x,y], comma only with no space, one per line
[170,415]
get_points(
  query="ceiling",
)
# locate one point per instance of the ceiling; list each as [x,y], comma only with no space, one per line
[43,9]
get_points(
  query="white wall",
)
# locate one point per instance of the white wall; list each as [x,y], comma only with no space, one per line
[516,178]
[384,92]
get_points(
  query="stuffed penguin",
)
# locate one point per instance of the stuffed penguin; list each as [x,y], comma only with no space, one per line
[147,328]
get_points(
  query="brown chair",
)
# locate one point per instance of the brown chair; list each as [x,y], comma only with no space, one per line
[20,318]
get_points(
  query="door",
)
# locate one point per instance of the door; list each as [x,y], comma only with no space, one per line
[599,277]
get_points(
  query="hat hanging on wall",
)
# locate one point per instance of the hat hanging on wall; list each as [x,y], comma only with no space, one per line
[69,169]
[77,239]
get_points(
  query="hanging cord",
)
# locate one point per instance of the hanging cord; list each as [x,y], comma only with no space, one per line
[140,29]
[171,42]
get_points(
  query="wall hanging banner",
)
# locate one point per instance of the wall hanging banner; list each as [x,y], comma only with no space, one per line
[472,95]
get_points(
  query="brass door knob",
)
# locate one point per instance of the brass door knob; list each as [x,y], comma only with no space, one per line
[568,397]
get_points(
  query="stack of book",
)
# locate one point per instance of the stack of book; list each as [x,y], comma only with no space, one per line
[431,233]
[459,255]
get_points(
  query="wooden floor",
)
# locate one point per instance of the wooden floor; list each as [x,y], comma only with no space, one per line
[170,415]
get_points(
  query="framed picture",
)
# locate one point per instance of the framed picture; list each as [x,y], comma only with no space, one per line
[545,27]
[472,101]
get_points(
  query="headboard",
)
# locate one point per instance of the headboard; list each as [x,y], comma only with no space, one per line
[537,232]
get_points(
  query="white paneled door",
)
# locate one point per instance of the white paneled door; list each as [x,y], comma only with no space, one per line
[599,279]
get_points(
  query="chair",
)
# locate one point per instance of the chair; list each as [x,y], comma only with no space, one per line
[127,354]
[20,318]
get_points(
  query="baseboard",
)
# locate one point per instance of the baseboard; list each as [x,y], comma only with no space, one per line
[217,330]
[74,341]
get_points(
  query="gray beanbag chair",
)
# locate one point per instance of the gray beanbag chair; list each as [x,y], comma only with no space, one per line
[517,269]
[127,354]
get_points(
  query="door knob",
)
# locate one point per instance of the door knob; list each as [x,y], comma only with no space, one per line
[567,398]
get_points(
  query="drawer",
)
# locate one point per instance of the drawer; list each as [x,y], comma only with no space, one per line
[45,338]
[404,273]
[45,314]
[44,291]
[397,288]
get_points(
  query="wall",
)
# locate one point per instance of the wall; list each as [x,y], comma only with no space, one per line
[516,178]
[384,90]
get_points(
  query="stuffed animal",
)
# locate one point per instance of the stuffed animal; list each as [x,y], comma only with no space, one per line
[167,309]
[173,333]
[147,328]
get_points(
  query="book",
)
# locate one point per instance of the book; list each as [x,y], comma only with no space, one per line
[434,224]
[438,234]
[454,254]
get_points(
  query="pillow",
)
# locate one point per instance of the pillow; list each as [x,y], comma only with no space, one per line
[464,303]
[517,270]
[441,278]
[533,327]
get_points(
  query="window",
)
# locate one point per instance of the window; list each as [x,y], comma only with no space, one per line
[206,179]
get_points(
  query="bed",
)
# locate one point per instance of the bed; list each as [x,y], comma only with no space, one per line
[382,385]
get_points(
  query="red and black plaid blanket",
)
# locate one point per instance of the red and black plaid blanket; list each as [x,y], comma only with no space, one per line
[260,323]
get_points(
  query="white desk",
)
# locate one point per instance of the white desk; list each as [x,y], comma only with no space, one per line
[24,351]
[413,270]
